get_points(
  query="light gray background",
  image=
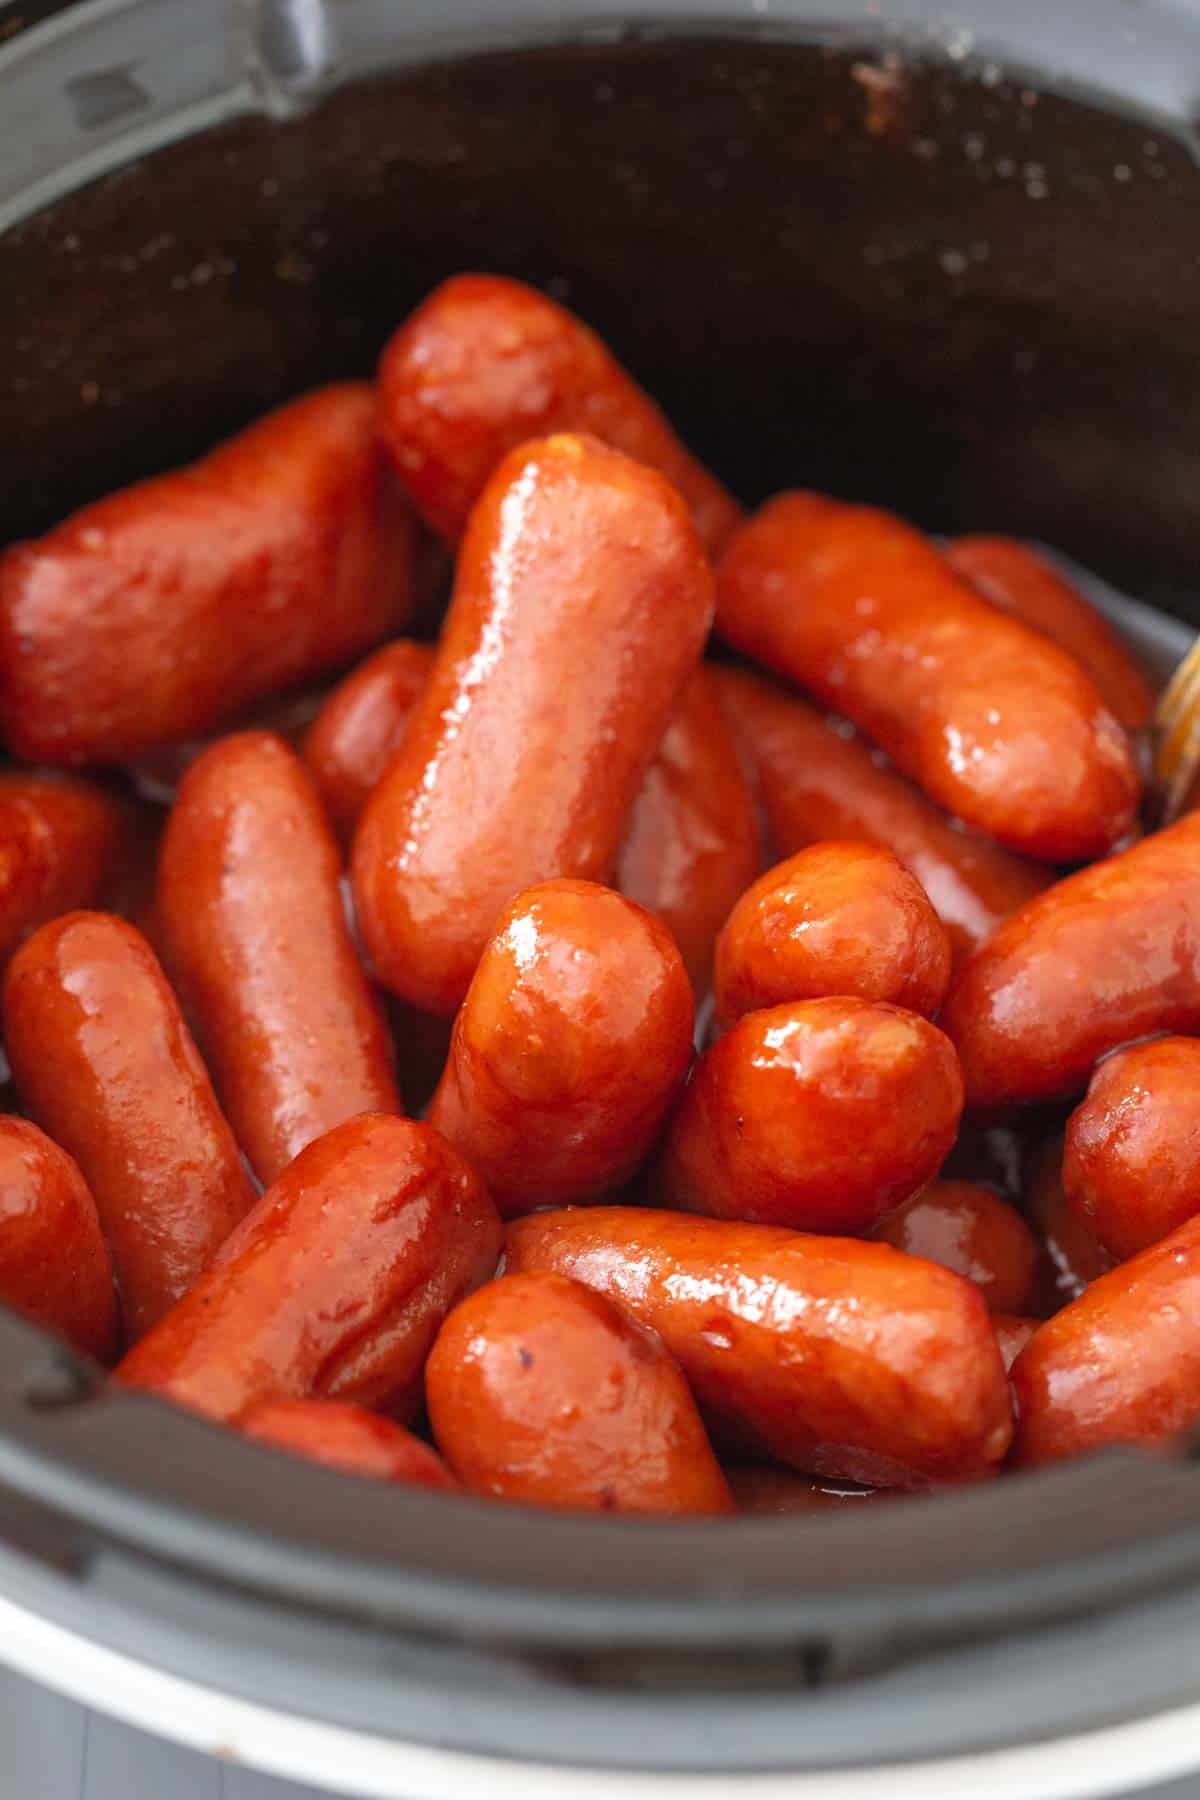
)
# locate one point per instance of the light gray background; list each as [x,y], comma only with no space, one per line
[53,1749]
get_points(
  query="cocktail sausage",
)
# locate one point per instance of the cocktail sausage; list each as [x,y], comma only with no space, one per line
[581,603]
[999,725]
[837,1357]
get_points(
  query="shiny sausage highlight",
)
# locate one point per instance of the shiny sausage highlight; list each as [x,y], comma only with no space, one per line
[104,1062]
[838,918]
[969,1229]
[998,724]
[1131,1167]
[1015,577]
[541,1390]
[486,363]
[55,1266]
[581,603]
[334,1286]
[254,929]
[839,1358]
[817,781]
[569,1048]
[820,1115]
[1109,954]
[157,613]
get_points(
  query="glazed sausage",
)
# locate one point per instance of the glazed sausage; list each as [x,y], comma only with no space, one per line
[969,1229]
[1131,1168]
[998,724]
[817,783]
[485,363]
[692,842]
[104,1062]
[62,840]
[55,1266]
[1013,576]
[541,1390]
[1110,954]
[334,1286]
[840,1358]
[760,1490]
[572,1042]
[820,1115]
[361,726]
[251,914]
[345,1436]
[833,919]
[581,603]
[1119,1365]
[1076,1255]
[690,847]
[1013,1332]
[159,612]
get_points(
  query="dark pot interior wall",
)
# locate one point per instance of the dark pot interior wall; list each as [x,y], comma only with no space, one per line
[923,286]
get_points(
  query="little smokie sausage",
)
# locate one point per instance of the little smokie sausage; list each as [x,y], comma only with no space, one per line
[692,843]
[998,724]
[836,1357]
[485,363]
[55,1266]
[1076,1255]
[541,1390]
[1012,575]
[335,1284]
[104,1062]
[61,843]
[1119,1365]
[815,782]
[344,1436]
[820,1115]
[1110,954]
[969,1229]
[1131,1168]
[155,614]
[833,919]
[569,1048]
[359,729]
[580,606]
[254,929]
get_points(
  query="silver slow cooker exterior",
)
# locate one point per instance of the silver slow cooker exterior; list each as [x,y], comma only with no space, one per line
[946,261]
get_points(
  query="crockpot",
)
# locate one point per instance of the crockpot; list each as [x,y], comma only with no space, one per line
[945,262]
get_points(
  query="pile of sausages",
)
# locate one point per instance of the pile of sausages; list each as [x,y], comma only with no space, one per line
[887,817]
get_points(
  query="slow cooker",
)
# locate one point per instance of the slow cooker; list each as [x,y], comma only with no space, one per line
[943,260]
